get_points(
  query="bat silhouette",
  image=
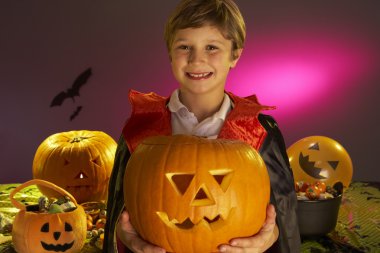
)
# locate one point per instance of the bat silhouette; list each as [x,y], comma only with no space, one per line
[75,113]
[73,91]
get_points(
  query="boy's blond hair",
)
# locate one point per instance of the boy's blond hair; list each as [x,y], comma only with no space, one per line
[223,14]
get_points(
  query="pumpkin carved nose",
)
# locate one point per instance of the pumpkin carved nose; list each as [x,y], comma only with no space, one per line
[81,175]
[201,194]
[56,235]
[203,197]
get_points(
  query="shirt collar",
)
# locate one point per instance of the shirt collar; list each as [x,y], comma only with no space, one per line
[175,105]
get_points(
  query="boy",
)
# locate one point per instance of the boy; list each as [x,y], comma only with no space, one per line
[205,39]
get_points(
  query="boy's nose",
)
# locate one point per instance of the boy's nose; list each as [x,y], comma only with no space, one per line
[196,56]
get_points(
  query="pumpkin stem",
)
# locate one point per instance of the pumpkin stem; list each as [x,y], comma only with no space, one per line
[77,139]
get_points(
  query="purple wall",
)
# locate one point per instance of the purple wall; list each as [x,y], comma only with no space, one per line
[317,61]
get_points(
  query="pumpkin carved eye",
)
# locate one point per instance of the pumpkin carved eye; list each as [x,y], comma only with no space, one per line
[314,146]
[68,227]
[97,161]
[223,177]
[180,182]
[45,228]
[333,164]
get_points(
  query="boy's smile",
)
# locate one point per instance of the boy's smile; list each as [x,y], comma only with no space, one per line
[199,76]
[201,59]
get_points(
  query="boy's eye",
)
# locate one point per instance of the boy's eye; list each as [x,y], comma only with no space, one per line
[183,47]
[211,48]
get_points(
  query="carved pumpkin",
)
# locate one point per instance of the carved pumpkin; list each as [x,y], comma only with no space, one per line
[35,232]
[191,194]
[319,158]
[78,161]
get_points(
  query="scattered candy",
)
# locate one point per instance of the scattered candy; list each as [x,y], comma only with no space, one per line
[95,233]
[68,206]
[89,234]
[100,223]
[96,220]
[52,205]
[314,191]
[321,186]
[55,208]
[43,203]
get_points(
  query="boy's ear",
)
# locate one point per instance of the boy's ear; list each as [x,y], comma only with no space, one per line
[236,56]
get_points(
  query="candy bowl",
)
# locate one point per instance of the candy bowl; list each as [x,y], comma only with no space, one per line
[317,216]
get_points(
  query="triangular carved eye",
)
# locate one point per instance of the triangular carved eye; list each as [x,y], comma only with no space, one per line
[334,164]
[179,181]
[97,160]
[223,177]
[315,146]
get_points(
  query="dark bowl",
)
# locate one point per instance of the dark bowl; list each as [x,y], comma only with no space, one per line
[318,217]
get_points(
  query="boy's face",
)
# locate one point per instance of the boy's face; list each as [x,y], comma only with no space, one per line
[201,59]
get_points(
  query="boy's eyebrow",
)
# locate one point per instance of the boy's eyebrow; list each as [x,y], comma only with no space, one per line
[215,41]
[179,40]
[209,41]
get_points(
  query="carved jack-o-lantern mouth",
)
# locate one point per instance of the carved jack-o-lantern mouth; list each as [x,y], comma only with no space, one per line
[310,168]
[75,188]
[56,247]
[211,223]
[81,175]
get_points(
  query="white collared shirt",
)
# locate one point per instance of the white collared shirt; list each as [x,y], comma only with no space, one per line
[184,122]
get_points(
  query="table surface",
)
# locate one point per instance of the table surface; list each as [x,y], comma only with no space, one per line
[357,229]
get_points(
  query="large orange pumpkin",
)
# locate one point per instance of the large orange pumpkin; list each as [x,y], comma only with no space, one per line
[78,161]
[35,232]
[191,194]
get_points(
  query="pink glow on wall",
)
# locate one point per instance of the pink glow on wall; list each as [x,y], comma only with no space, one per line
[296,71]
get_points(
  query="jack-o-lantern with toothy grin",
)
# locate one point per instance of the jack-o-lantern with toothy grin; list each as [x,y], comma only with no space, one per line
[319,158]
[199,193]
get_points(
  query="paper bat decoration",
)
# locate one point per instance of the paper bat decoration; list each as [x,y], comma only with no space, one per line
[73,91]
[75,113]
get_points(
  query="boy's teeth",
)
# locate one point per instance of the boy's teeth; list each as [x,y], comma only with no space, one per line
[199,75]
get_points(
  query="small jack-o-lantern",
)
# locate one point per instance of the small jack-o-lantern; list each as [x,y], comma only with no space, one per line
[191,194]
[319,158]
[37,232]
[78,161]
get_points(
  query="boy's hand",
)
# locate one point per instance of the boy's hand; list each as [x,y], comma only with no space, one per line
[128,235]
[260,242]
